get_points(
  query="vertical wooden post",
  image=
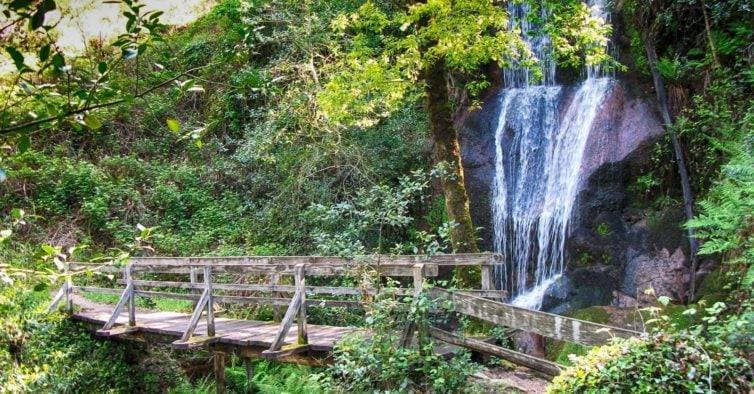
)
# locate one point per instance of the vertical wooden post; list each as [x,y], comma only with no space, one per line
[193,281]
[131,299]
[276,315]
[300,281]
[219,366]
[210,301]
[486,277]
[68,294]
[249,374]
[418,274]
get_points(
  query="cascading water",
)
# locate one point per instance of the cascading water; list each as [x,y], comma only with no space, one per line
[538,152]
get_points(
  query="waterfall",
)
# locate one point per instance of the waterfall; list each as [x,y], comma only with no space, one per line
[538,152]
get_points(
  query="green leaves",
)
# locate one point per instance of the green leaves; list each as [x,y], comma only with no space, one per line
[92,121]
[174,125]
[17,58]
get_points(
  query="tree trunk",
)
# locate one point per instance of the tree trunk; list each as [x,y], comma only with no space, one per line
[708,31]
[688,199]
[447,150]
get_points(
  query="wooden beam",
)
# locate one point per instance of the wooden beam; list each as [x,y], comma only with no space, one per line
[131,300]
[274,282]
[127,293]
[300,281]
[542,323]
[117,331]
[408,331]
[535,363]
[286,351]
[219,367]
[249,367]
[58,297]
[195,316]
[210,301]
[286,324]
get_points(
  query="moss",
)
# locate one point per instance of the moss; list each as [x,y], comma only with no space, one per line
[559,351]
[595,314]
[713,287]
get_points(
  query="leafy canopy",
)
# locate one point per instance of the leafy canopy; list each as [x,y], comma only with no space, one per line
[387,50]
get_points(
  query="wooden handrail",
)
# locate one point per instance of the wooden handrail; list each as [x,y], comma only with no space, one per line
[546,324]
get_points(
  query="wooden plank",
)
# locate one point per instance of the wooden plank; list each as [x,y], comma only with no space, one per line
[408,331]
[58,297]
[290,289]
[117,331]
[219,367]
[275,282]
[194,320]
[195,342]
[546,324]
[319,270]
[459,259]
[287,322]
[210,301]
[535,363]
[69,294]
[131,299]
[286,351]
[127,292]
[300,281]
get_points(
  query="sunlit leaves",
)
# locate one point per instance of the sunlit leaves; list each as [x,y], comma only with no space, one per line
[173,124]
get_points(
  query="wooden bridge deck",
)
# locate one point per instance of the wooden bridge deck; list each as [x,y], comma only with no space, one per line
[232,332]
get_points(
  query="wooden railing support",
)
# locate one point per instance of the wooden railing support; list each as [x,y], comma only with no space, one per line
[275,281]
[418,275]
[128,273]
[300,282]
[219,367]
[126,300]
[210,301]
[296,307]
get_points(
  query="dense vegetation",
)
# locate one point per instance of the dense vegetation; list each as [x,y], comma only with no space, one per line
[279,127]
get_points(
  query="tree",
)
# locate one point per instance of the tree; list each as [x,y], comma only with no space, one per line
[425,50]
[51,87]
[648,24]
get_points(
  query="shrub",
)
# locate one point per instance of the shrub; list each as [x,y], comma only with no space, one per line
[378,362]
[671,363]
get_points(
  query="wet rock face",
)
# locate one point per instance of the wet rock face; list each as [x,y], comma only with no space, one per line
[613,248]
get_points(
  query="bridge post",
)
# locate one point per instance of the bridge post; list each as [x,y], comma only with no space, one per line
[249,367]
[210,301]
[275,280]
[128,273]
[68,294]
[219,367]
[418,275]
[300,281]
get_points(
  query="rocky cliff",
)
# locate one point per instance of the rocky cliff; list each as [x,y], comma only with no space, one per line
[615,250]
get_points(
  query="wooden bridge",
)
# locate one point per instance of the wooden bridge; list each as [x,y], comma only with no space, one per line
[283,283]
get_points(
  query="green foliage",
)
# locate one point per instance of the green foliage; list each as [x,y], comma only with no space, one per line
[374,217]
[378,363]
[48,353]
[668,363]
[389,48]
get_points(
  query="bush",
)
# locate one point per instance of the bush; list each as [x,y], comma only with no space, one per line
[671,363]
[378,363]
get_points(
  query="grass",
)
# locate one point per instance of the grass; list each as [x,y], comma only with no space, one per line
[157,303]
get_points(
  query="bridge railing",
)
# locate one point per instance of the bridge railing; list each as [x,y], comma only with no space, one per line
[138,279]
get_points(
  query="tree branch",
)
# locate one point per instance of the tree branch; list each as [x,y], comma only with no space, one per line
[36,122]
